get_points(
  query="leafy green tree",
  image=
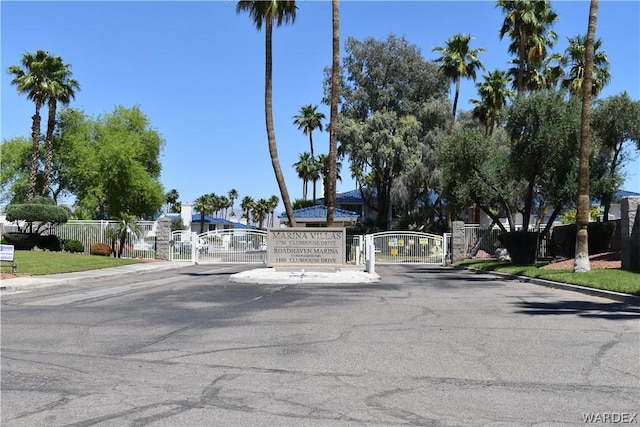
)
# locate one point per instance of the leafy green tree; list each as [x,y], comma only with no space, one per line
[61,88]
[615,122]
[458,60]
[116,166]
[308,120]
[15,156]
[528,24]
[267,13]
[581,260]
[41,210]
[544,129]
[392,100]
[31,79]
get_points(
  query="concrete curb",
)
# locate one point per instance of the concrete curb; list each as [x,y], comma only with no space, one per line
[34,282]
[616,296]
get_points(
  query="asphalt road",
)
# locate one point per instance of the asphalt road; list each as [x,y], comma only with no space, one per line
[425,346]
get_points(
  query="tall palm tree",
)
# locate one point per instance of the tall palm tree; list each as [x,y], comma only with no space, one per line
[581,260]
[31,78]
[528,24]
[204,206]
[260,211]
[171,199]
[61,88]
[304,167]
[575,56]
[233,195]
[458,61]
[246,204]
[324,166]
[494,95]
[267,13]
[308,120]
[330,196]
[273,204]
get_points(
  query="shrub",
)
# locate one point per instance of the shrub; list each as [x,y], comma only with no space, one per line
[100,249]
[73,246]
[22,241]
[522,246]
[51,243]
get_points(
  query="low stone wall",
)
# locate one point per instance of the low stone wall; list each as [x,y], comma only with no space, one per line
[630,231]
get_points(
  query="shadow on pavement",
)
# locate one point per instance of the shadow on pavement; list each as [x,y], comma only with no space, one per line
[612,311]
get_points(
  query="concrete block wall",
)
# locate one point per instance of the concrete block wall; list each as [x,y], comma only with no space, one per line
[163,238]
[630,233]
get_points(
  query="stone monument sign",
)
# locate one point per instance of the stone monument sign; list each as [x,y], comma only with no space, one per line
[300,246]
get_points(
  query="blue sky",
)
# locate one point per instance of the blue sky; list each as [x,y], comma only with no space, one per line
[196,70]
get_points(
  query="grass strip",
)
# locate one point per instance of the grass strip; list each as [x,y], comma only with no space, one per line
[38,263]
[616,280]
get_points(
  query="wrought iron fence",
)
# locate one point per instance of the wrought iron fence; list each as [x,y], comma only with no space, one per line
[489,240]
[139,243]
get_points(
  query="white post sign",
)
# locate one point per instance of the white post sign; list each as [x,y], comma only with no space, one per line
[6,252]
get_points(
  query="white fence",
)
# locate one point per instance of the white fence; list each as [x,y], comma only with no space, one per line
[138,244]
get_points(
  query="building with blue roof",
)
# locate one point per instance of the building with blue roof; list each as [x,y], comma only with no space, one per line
[316,216]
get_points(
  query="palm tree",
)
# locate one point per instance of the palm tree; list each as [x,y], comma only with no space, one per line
[494,95]
[308,120]
[330,196]
[266,13]
[246,204]
[127,224]
[273,204]
[527,23]
[575,56]
[61,88]
[458,61]
[581,260]
[324,168]
[233,195]
[171,198]
[31,78]
[260,211]
[303,168]
[204,206]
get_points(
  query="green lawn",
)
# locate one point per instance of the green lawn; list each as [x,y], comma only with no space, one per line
[39,263]
[615,280]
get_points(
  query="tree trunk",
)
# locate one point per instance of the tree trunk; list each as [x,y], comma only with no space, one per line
[581,261]
[271,135]
[455,105]
[35,147]
[48,147]
[333,124]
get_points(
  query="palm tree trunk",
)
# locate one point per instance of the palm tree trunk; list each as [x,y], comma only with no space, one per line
[581,261]
[48,153]
[333,125]
[455,104]
[311,144]
[271,135]
[35,146]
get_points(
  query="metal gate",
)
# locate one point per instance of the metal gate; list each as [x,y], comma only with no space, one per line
[233,246]
[397,247]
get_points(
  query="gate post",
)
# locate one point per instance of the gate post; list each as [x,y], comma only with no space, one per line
[194,247]
[163,239]
[457,242]
[370,253]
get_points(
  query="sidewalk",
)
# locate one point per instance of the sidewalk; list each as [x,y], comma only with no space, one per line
[18,283]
